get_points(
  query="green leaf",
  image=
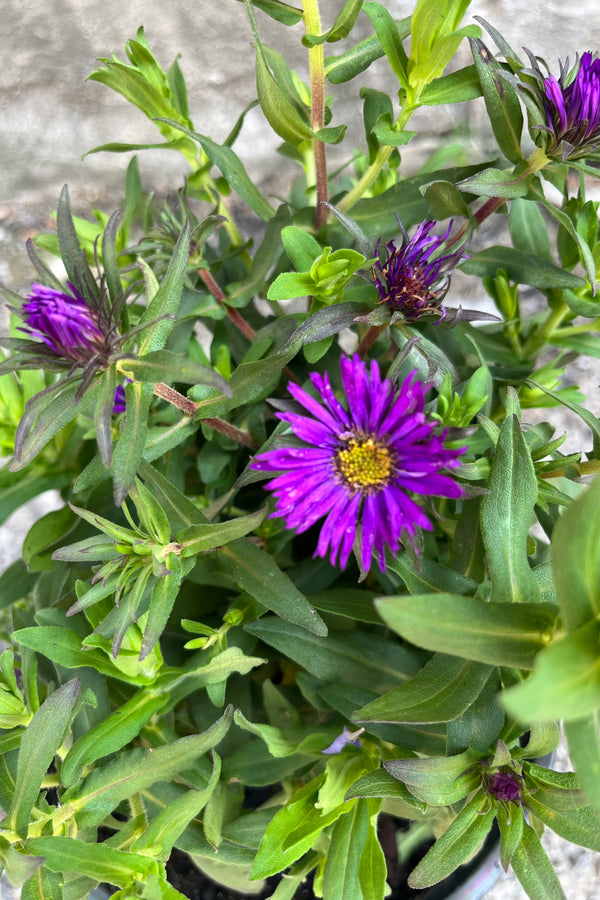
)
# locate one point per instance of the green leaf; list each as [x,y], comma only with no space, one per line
[348,838]
[44,417]
[323,324]
[439,780]
[292,831]
[44,535]
[583,737]
[496,183]
[379,784]
[15,490]
[129,448]
[339,69]
[301,247]
[256,572]
[341,28]
[458,843]
[565,683]
[42,738]
[45,885]
[165,301]
[70,249]
[579,826]
[351,657]
[279,111]
[200,538]
[162,831]
[110,735]
[521,267]
[274,738]
[506,516]
[20,869]
[389,37]
[575,556]
[98,861]
[431,576]
[63,646]
[15,582]
[444,200]
[443,689]
[495,633]
[163,365]
[281,12]
[534,870]
[528,230]
[501,101]
[352,604]
[453,88]
[134,770]
[234,172]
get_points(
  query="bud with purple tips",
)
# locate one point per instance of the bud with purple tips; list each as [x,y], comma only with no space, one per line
[413,278]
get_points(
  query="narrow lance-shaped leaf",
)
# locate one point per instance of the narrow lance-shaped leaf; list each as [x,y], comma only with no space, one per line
[494,633]
[501,101]
[137,769]
[166,300]
[39,743]
[506,515]
[165,828]
[255,572]
[575,556]
[461,839]
[110,735]
[443,689]
[100,861]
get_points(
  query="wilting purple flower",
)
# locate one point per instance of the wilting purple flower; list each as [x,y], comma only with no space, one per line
[573,105]
[411,278]
[64,322]
[506,787]
[359,463]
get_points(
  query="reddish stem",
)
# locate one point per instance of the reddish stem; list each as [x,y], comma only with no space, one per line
[234,316]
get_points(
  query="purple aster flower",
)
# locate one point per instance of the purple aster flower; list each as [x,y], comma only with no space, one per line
[506,787]
[359,463]
[413,278]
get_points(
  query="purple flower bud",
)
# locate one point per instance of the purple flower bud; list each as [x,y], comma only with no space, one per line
[414,278]
[360,464]
[506,787]
[64,322]
[573,105]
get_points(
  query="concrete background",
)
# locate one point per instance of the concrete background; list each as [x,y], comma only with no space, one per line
[49,117]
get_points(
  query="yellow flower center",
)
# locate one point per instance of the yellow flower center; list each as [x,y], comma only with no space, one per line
[364,464]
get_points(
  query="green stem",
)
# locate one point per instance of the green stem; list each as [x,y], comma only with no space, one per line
[546,329]
[165,392]
[381,158]
[316,66]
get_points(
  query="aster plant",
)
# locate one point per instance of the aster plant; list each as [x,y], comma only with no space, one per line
[324,578]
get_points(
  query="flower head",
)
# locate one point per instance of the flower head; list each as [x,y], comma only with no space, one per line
[570,105]
[573,106]
[64,322]
[359,463]
[67,325]
[506,787]
[413,278]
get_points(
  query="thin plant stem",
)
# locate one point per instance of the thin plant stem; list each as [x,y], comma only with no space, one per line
[316,66]
[189,408]
[232,314]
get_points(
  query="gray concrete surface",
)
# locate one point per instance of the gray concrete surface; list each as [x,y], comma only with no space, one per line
[49,117]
